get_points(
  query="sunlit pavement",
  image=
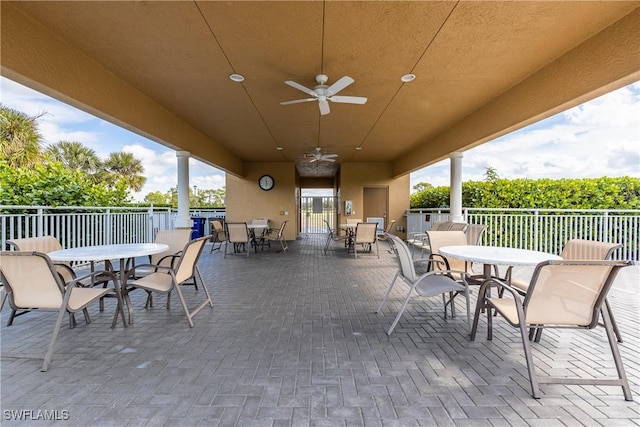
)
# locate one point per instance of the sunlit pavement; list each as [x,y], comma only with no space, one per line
[293,340]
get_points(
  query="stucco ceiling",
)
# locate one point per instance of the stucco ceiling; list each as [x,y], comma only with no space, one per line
[464,54]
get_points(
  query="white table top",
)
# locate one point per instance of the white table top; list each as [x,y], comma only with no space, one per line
[257,226]
[105,252]
[497,255]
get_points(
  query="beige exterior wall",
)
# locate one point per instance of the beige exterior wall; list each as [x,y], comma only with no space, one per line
[355,176]
[245,200]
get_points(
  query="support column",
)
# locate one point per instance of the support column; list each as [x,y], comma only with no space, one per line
[455,187]
[183,220]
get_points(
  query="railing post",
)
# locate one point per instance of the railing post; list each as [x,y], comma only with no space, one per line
[107,227]
[605,227]
[40,226]
[150,215]
[536,228]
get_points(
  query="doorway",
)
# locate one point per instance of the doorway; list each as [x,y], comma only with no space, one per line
[315,209]
[375,205]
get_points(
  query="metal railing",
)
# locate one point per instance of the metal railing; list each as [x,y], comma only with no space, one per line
[537,229]
[544,229]
[314,210]
[76,226]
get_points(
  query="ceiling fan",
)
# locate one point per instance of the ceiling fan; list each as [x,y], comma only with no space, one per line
[319,156]
[323,93]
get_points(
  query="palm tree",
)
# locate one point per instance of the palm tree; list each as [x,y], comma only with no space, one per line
[19,138]
[125,166]
[75,156]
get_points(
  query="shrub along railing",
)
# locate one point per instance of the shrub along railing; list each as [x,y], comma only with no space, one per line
[544,229]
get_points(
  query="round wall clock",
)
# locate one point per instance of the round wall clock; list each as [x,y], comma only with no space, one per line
[266,182]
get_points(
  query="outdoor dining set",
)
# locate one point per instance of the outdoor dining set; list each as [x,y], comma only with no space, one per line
[243,236]
[565,291]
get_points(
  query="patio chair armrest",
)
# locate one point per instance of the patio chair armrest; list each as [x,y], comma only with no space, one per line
[156,267]
[66,268]
[101,276]
[517,294]
[172,256]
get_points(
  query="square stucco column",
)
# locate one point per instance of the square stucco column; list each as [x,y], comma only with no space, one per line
[455,186]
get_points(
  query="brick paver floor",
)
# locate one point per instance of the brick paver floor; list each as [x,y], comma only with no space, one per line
[293,340]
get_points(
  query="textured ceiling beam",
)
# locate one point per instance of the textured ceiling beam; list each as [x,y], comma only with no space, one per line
[35,57]
[605,62]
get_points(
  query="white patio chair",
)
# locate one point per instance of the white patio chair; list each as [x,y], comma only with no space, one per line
[218,235]
[238,236]
[44,244]
[366,236]
[169,278]
[561,294]
[435,282]
[34,283]
[332,236]
[277,235]
[584,250]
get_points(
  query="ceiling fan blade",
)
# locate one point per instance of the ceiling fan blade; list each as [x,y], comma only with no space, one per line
[339,85]
[329,156]
[313,160]
[302,88]
[297,101]
[349,99]
[328,160]
[324,107]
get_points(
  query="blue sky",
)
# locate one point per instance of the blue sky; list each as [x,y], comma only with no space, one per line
[598,138]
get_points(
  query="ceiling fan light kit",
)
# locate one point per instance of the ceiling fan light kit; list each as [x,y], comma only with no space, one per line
[319,156]
[323,93]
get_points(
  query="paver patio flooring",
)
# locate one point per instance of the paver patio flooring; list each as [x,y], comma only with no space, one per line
[293,340]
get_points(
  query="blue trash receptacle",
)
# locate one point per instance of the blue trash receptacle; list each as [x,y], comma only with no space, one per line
[198,227]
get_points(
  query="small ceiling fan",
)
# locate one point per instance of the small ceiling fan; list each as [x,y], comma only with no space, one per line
[319,156]
[323,93]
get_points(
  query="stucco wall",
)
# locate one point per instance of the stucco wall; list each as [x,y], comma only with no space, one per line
[355,176]
[245,200]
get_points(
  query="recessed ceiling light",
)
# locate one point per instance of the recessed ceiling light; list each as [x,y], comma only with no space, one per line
[358,148]
[237,78]
[408,78]
[279,148]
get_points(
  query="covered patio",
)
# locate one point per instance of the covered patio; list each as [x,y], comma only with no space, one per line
[293,340]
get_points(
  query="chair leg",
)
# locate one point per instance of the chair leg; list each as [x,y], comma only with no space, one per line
[404,305]
[533,379]
[206,291]
[386,295]
[12,316]
[63,309]
[49,354]
[480,307]
[608,321]
[149,302]
[614,324]
[4,297]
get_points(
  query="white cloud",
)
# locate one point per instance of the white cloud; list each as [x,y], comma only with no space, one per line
[598,138]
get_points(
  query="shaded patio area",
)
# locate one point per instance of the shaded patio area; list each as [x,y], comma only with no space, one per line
[293,340]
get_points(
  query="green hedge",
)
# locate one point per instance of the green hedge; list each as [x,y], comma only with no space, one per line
[588,193]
